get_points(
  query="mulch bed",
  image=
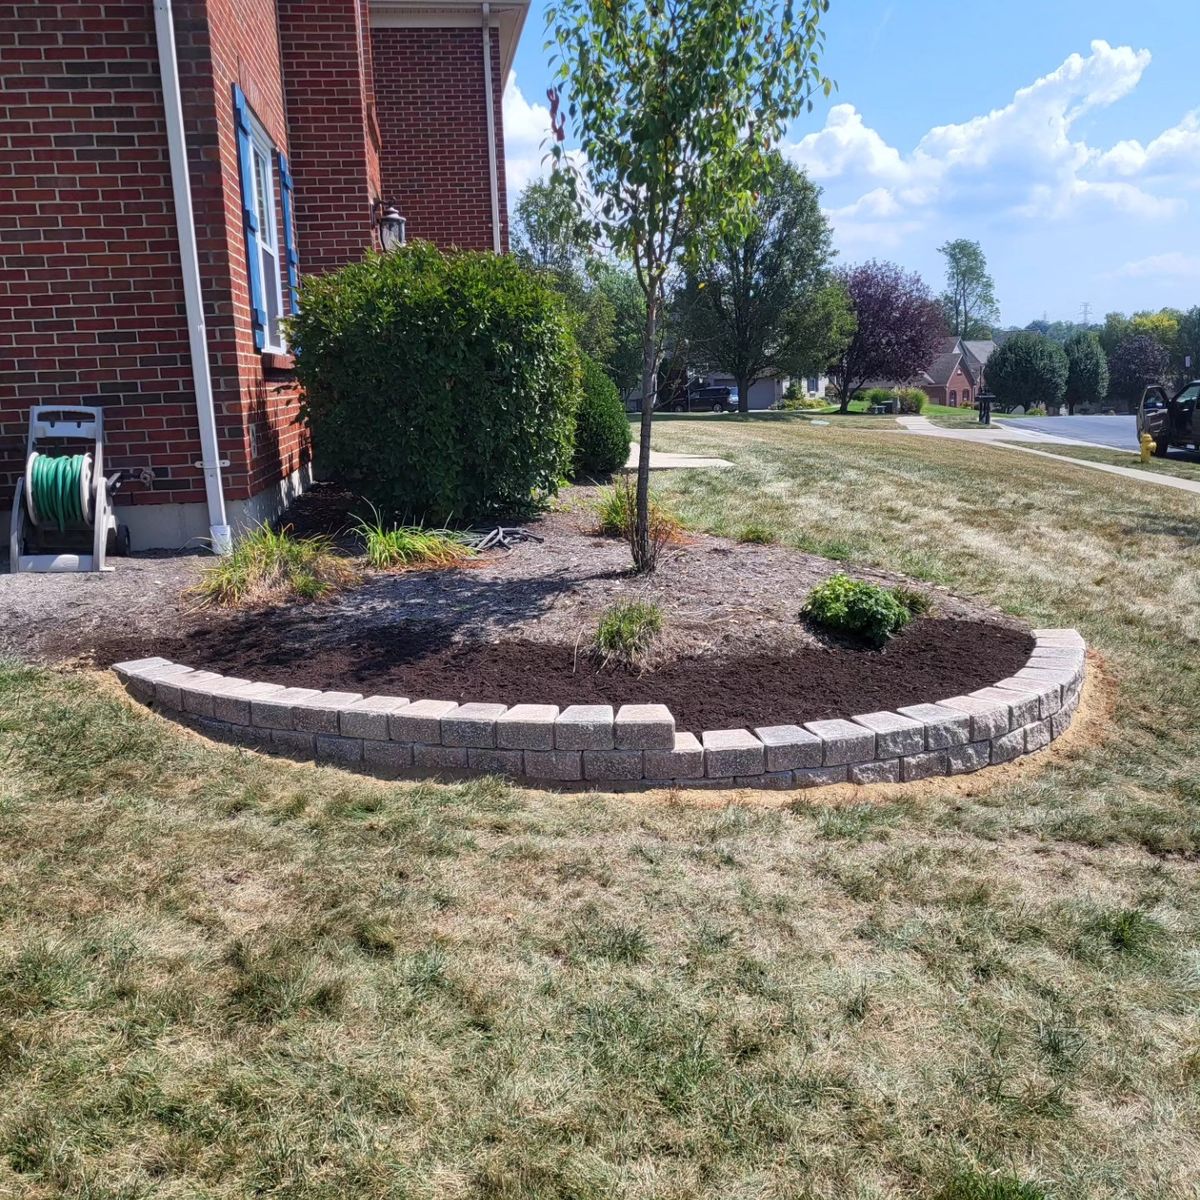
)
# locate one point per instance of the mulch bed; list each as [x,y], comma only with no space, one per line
[931,660]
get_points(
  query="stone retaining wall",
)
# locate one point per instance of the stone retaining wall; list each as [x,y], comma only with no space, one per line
[636,746]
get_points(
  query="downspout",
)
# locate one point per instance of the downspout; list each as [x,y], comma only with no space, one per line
[493,167]
[206,417]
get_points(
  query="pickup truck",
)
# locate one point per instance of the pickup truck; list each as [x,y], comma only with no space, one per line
[1173,421]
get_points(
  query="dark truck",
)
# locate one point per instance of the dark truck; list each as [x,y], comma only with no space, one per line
[1171,422]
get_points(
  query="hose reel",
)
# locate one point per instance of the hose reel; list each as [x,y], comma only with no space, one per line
[62,515]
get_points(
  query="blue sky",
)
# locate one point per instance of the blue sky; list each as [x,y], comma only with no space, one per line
[1062,135]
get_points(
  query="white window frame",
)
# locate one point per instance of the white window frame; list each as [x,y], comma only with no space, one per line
[267,240]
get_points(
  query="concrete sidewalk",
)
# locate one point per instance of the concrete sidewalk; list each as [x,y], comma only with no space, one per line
[660,461]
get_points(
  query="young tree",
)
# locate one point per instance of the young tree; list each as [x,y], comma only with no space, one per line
[676,103]
[897,327]
[1087,370]
[969,300]
[762,300]
[1139,361]
[1029,370]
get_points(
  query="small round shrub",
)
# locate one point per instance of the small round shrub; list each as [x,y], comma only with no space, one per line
[602,432]
[856,607]
[438,386]
[872,397]
[912,399]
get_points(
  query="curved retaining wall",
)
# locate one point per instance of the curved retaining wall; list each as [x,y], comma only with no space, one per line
[636,746]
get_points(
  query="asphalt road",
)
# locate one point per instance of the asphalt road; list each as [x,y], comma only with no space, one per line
[1118,431]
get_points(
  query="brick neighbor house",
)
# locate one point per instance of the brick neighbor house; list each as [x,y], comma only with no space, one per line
[286,127]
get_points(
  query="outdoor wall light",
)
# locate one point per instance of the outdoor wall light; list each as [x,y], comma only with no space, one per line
[391,229]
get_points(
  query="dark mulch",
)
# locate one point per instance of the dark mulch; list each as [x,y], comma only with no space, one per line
[931,660]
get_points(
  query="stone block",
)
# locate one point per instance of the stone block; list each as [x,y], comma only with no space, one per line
[944,726]
[1037,736]
[1008,747]
[843,742]
[643,727]
[684,761]
[768,781]
[1058,637]
[197,696]
[370,717]
[923,766]
[527,727]
[789,747]
[970,757]
[1060,723]
[472,724]
[168,686]
[584,727]
[1022,705]
[989,718]
[338,751]
[420,721]
[275,711]
[612,764]
[440,758]
[554,764]
[319,713]
[895,734]
[232,703]
[293,743]
[731,752]
[386,758]
[140,666]
[880,771]
[495,762]
[807,777]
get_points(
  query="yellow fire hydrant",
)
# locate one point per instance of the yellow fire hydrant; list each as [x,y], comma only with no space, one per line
[1148,447]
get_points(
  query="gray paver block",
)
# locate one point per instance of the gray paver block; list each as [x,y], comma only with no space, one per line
[275,711]
[944,726]
[1008,747]
[495,762]
[387,758]
[338,751]
[612,764]
[970,757]
[527,727]
[472,724]
[137,666]
[684,761]
[232,703]
[844,742]
[420,721]
[731,752]
[644,727]
[789,747]
[319,714]
[584,727]
[1060,723]
[885,771]
[197,697]
[989,718]
[293,743]
[768,781]
[440,758]
[807,777]
[554,764]
[370,717]
[1037,736]
[1058,637]
[923,766]
[1022,705]
[895,734]
[169,685]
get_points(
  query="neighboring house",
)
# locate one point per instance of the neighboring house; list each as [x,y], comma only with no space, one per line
[768,392]
[956,375]
[293,124]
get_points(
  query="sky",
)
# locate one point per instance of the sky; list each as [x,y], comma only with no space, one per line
[1063,136]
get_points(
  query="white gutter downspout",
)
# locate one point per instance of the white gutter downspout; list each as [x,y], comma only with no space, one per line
[493,167]
[206,418]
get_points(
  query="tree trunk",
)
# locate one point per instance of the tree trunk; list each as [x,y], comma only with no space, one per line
[844,400]
[743,385]
[641,537]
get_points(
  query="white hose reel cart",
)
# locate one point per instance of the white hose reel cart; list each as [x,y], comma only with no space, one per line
[62,514]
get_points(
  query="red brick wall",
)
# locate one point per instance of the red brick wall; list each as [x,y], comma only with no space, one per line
[334,135]
[91,304]
[429,93]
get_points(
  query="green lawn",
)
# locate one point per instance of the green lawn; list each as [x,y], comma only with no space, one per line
[1177,463]
[223,976]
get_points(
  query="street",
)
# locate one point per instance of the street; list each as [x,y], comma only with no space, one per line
[1118,431]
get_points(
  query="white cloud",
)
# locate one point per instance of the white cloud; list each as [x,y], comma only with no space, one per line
[526,139]
[1021,160]
[1172,265]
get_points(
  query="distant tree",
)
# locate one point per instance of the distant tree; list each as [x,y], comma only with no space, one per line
[549,232]
[1139,361]
[1028,370]
[760,300]
[1113,332]
[1189,345]
[969,300]
[1087,370]
[897,327]
[1162,326]
[627,301]
[1057,331]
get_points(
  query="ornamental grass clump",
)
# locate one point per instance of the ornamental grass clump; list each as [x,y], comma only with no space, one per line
[854,606]
[399,546]
[270,566]
[617,517]
[627,632]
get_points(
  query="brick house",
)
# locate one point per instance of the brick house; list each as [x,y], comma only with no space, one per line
[285,127]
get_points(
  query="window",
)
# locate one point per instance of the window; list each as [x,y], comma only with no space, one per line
[953,397]
[812,385]
[267,237]
[966,395]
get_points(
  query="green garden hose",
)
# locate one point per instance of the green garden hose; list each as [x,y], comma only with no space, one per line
[57,489]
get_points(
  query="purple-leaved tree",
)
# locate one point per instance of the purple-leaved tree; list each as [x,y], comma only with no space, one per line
[898,327]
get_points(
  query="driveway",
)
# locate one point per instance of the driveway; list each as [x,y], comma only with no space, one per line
[1120,432]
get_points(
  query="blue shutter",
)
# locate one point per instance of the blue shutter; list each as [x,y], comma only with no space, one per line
[289,237]
[258,308]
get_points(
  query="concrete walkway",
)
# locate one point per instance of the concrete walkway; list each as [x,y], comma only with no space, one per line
[1016,439]
[659,461]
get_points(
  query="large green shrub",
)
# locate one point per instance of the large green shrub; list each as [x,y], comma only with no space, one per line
[1028,370]
[855,606]
[912,399]
[601,427]
[438,385]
